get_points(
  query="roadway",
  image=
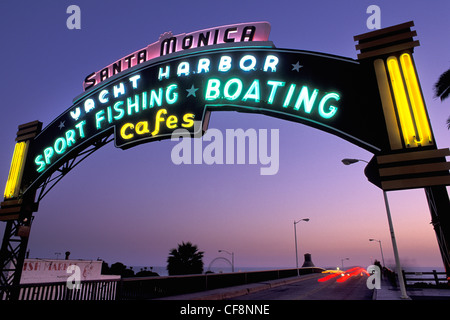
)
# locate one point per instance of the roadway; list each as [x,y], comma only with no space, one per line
[305,287]
[309,288]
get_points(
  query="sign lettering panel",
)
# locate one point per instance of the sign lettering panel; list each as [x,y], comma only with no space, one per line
[148,103]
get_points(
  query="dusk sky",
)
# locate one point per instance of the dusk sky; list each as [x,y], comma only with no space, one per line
[133,206]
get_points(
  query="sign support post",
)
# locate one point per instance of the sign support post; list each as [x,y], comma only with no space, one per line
[439,204]
[17,211]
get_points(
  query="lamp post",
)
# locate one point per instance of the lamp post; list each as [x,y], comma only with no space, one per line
[404,295]
[295,235]
[382,257]
[232,258]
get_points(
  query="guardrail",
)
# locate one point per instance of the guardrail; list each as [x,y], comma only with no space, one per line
[149,287]
[425,278]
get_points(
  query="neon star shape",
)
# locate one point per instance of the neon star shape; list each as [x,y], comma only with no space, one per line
[296,66]
[191,91]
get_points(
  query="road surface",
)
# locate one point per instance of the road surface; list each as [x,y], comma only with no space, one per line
[309,288]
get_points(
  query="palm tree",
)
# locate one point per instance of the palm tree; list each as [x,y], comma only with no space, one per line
[442,89]
[185,260]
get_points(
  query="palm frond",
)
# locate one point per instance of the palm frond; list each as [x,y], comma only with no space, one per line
[442,86]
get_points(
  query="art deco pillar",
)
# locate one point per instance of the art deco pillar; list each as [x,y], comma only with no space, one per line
[413,160]
[16,211]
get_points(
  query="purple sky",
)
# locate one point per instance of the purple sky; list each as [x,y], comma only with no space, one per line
[134,206]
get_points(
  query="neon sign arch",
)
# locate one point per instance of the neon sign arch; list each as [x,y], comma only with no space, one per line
[149,102]
[373,102]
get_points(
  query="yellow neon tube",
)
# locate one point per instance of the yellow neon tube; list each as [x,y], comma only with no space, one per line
[406,121]
[16,170]
[388,105]
[415,96]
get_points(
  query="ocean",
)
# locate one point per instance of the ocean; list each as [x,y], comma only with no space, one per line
[162,271]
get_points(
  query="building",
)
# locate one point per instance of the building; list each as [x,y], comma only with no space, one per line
[56,270]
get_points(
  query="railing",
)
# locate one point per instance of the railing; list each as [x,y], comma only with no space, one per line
[425,278]
[88,290]
[150,287]
[157,287]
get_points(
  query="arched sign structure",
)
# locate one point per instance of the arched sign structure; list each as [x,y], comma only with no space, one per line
[374,102]
[150,102]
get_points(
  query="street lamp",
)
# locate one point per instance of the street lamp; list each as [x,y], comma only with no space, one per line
[342,262]
[295,234]
[404,295]
[232,258]
[382,257]
[348,161]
